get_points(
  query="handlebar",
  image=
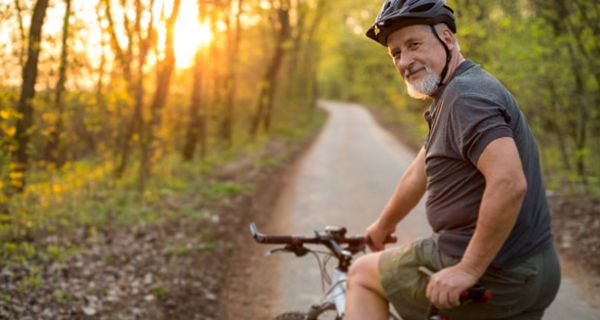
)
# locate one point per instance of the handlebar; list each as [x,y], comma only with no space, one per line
[337,234]
[331,237]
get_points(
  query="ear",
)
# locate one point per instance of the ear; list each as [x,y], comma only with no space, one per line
[448,38]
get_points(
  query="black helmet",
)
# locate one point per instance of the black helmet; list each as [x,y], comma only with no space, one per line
[396,14]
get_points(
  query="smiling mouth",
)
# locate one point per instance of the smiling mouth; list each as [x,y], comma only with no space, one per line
[409,73]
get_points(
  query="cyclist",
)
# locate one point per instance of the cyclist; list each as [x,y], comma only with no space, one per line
[485,201]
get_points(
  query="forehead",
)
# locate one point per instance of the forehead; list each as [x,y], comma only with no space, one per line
[402,35]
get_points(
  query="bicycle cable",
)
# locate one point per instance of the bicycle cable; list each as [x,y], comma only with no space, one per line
[321,268]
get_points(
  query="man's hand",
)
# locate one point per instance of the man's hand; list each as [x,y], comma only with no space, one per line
[445,286]
[376,235]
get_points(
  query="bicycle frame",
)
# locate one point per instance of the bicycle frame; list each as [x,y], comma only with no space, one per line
[335,299]
[337,293]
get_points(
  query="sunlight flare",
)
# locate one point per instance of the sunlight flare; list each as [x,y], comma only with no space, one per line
[190,34]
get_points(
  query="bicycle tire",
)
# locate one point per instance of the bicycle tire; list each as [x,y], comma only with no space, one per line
[294,315]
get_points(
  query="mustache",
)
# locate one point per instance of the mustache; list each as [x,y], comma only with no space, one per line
[414,69]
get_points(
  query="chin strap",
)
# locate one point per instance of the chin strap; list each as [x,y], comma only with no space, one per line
[448,56]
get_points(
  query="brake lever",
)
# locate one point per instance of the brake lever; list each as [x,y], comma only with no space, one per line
[356,249]
[273,251]
[299,251]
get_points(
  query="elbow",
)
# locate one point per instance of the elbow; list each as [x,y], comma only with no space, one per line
[512,187]
[518,188]
[521,188]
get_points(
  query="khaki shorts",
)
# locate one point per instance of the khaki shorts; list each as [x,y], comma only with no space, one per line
[519,293]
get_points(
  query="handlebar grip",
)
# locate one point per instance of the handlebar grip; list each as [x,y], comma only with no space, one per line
[390,239]
[476,294]
[278,239]
[261,238]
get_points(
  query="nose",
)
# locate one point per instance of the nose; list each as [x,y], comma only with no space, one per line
[404,63]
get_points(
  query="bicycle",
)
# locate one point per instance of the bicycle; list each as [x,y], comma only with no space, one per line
[342,248]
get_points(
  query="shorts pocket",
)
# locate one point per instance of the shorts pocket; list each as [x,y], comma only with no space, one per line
[523,273]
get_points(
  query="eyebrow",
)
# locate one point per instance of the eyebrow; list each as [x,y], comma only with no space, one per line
[394,50]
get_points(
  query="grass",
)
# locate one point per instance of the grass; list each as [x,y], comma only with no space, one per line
[85,196]
[62,296]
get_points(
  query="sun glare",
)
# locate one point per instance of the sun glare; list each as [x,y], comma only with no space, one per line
[190,34]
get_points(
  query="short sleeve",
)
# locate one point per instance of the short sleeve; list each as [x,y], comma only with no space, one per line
[477,121]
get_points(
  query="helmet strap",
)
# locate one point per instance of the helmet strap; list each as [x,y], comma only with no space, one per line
[448,56]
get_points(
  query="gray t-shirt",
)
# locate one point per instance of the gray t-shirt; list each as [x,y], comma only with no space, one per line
[471,111]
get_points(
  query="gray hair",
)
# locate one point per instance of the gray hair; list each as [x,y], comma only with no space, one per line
[440,27]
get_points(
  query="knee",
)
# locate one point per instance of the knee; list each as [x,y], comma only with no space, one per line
[364,271]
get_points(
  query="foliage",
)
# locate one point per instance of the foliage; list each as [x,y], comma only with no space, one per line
[120,127]
[85,196]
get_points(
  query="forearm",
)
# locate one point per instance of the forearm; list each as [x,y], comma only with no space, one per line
[408,192]
[500,207]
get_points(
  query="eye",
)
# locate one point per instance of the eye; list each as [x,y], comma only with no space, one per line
[396,54]
[414,45]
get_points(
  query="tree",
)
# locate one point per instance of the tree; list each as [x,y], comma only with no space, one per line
[268,85]
[53,151]
[196,126]
[24,107]
[233,43]
[165,69]
[140,44]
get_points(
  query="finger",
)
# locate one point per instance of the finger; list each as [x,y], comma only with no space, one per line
[375,245]
[433,293]
[370,243]
[437,301]
[447,300]
[455,299]
[429,291]
[442,299]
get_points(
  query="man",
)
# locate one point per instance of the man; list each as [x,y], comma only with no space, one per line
[485,202]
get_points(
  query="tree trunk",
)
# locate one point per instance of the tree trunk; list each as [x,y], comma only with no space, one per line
[53,152]
[579,104]
[135,123]
[197,115]
[265,99]
[196,129]
[21,33]
[165,70]
[230,80]
[100,101]
[25,108]
[556,128]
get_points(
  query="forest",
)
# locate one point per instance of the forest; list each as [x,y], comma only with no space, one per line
[107,107]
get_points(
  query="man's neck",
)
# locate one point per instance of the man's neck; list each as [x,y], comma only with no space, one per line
[457,59]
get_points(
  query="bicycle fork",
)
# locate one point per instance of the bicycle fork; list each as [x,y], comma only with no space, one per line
[335,299]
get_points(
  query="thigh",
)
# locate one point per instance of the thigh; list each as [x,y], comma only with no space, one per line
[403,284]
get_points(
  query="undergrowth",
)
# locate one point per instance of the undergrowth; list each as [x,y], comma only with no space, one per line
[85,197]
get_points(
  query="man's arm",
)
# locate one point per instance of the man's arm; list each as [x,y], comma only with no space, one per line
[505,189]
[407,194]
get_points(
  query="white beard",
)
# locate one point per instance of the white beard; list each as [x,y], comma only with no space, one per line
[425,87]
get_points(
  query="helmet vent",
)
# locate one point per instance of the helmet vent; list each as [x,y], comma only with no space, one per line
[423,8]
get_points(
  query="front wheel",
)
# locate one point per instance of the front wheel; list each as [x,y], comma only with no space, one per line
[295,315]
